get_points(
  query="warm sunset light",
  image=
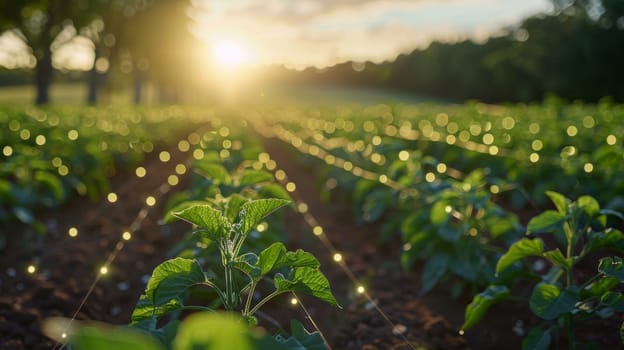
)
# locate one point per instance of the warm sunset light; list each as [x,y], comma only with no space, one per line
[229,53]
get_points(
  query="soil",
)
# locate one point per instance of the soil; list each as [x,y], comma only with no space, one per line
[67,267]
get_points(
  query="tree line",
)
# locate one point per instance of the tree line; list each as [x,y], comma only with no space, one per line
[577,52]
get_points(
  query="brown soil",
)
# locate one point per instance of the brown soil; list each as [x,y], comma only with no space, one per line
[68,266]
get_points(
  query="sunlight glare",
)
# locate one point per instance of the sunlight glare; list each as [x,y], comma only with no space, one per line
[228,53]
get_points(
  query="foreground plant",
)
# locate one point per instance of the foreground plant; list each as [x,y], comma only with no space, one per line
[561,297]
[172,281]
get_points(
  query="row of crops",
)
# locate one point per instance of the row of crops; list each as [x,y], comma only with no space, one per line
[446,182]
[447,185]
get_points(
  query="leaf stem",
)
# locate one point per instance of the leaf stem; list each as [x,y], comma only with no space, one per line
[263,301]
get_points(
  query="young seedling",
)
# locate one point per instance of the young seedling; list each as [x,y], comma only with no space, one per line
[560,298]
[289,271]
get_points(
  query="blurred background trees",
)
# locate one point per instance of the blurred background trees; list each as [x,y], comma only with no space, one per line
[575,52]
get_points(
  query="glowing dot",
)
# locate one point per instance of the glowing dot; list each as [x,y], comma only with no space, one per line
[360,289]
[271,165]
[63,170]
[407,247]
[611,140]
[264,157]
[430,177]
[262,227]
[404,155]
[494,189]
[198,154]
[150,201]
[280,175]
[72,232]
[348,166]
[383,178]
[25,134]
[317,230]
[164,156]
[180,169]
[376,140]
[451,139]
[441,168]
[588,167]
[534,128]
[103,270]
[537,145]
[534,157]
[126,235]
[488,139]
[140,172]
[173,180]
[227,144]
[473,232]
[224,131]
[112,197]
[302,207]
[466,187]
[461,332]
[31,269]
[184,146]
[224,153]
[72,135]
[290,187]
[337,257]
[572,130]
[375,158]
[589,122]
[493,150]
[63,335]
[40,140]
[7,151]
[448,209]
[293,301]
[509,123]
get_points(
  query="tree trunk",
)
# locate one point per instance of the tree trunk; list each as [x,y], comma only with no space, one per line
[43,77]
[93,79]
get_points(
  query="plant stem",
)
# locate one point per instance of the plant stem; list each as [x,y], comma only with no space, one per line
[252,288]
[263,301]
[197,308]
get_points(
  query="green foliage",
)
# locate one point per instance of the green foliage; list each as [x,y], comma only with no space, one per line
[172,281]
[559,297]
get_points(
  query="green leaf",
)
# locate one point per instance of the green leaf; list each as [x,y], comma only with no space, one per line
[434,269]
[537,339]
[211,331]
[560,202]
[602,286]
[212,171]
[439,214]
[589,204]
[612,267]
[52,182]
[548,301]
[519,250]
[481,303]
[301,339]
[612,239]
[255,210]
[275,256]
[556,258]
[167,287]
[612,213]
[234,205]
[306,280]
[545,222]
[614,300]
[118,338]
[274,191]
[209,220]
[170,215]
[252,177]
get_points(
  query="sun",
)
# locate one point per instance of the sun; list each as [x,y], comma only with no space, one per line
[229,54]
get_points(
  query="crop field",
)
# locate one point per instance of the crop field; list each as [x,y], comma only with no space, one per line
[403,225]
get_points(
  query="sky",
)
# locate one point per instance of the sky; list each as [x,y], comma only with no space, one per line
[302,33]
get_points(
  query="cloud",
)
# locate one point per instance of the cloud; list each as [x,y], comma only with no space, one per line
[323,32]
